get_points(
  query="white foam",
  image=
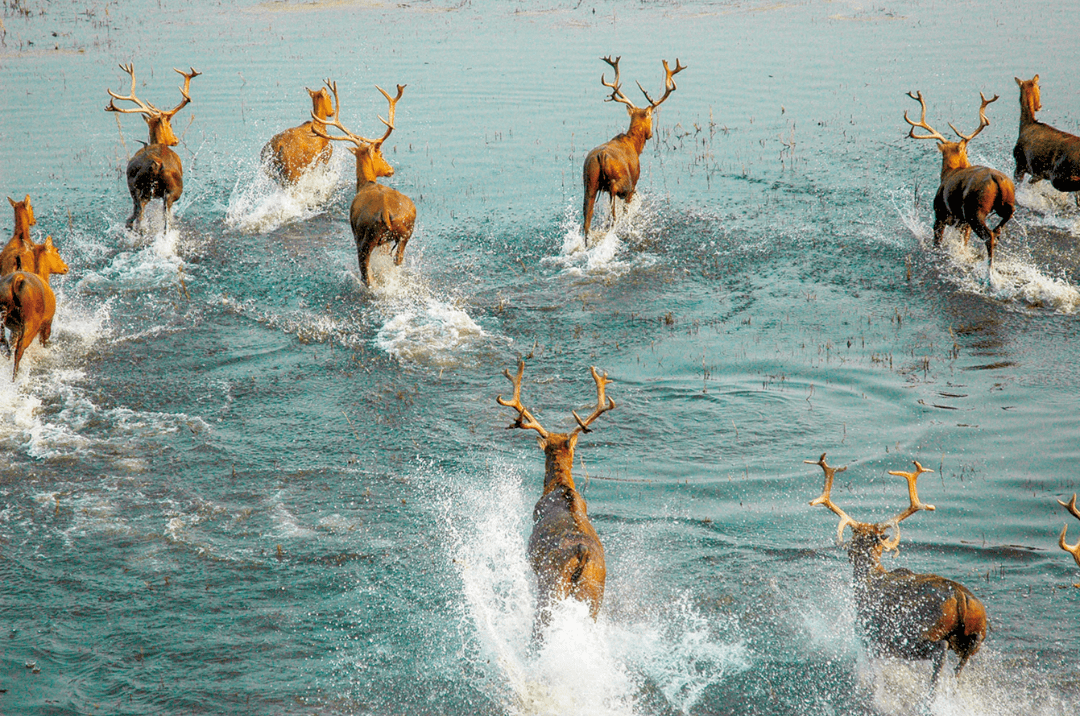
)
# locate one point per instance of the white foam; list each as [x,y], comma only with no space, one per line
[606,252]
[259,204]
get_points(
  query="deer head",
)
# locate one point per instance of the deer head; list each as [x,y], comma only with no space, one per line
[24,214]
[1030,98]
[370,163]
[869,539]
[558,447]
[953,154]
[48,260]
[640,117]
[156,119]
[321,104]
[1074,549]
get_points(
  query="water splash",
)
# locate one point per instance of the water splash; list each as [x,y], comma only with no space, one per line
[259,204]
[605,254]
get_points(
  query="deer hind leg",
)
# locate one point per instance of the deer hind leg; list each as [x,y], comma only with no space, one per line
[365,243]
[940,651]
[136,213]
[1021,164]
[20,346]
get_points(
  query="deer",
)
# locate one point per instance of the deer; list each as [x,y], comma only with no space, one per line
[1073,549]
[17,254]
[564,550]
[27,302]
[900,613]
[615,165]
[1041,150]
[967,194]
[293,151]
[378,214]
[155,172]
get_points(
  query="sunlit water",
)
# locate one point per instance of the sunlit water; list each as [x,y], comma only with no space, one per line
[239,480]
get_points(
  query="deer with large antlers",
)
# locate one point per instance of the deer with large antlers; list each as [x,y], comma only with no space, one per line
[615,165]
[155,172]
[293,151]
[564,550]
[378,215]
[18,254]
[1041,150]
[27,302]
[901,613]
[1073,549]
[967,194]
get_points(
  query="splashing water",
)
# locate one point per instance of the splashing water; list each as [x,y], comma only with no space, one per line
[604,254]
[259,204]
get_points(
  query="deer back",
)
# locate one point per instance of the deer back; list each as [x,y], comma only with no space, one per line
[27,301]
[973,189]
[381,209]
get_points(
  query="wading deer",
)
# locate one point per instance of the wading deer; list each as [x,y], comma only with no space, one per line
[1074,549]
[615,165]
[901,613]
[155,171]
[564,549]
[288,154]
[967,193]
[1042,151]
[378,215]
[27,302]
[18,253]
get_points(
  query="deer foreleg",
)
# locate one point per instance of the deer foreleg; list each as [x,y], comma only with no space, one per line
[939,662]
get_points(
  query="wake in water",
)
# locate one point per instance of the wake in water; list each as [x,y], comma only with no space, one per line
[259,204]
[605,254]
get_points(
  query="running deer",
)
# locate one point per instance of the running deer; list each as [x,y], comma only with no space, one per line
[1042,151]
[901,613]
[18,253]
[564,549]
[967,193]
[378,215]
[290,153]
[1074,549]
[615,165]
[27,302]
[155,171]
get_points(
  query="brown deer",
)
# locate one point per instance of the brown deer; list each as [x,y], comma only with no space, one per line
[615,165]
[1042,151]
[155,171]
[1074,549]
[290,153]
[967,193]
[378,215]
[901,613]
[18,253]
[27,302]
[564,550]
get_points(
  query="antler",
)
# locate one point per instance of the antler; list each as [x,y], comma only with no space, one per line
[335,121]
[826,499]
[603,403]
[393,104]
[143,107]
[913,497]
[934,134]
[188,76]
[525,420]
[1074,550]
[616,90]
[983,121]
[669,83]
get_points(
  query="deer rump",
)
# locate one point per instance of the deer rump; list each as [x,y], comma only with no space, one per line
[291,152]
[380,215]
[914,616]
[612,168]
[28,305]
[154,172]
[971,194]
[565,552]
[1048,153]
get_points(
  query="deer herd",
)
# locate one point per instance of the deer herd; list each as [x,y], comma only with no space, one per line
[899,613]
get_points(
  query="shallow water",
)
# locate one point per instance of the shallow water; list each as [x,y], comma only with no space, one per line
[238,481]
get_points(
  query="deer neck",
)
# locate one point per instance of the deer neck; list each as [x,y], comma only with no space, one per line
[365,168]
[161,133]
[638,135]
[22,226]
[559,459]
[953,160]
[1027,109]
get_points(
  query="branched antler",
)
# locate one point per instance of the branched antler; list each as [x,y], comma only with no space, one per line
[1074,549]
[334,120]
[826,498]
[603,404]
[934,134]
[188,76]
[142,107]
[983,121]
[615,87]
[393,105]
[669,83]
[525,420]
[913,498]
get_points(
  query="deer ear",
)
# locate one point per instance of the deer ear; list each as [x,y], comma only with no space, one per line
[574,439]
[1035,79]
[542,443]
[1019,82]
[11,201]
[48,241]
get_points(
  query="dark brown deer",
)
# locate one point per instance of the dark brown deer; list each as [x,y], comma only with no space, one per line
[1074,549]
[27,302]
[1042,151]
[564,550]
[290,153]
[378,215]
[18,253]
[901,613]
[155,171]
[968,194]
[615,165]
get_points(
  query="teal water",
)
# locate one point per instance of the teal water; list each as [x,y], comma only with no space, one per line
[239,482]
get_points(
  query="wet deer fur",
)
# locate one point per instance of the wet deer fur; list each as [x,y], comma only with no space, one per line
[1073,549]
[292,152]
[564,550]
[18,254]
[27,302]
[614,166]
[378,214]
[967,194]
[1041,150]
[155,172]
[901,613]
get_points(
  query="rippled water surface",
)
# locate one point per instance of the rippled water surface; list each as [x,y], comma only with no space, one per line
[240,482]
